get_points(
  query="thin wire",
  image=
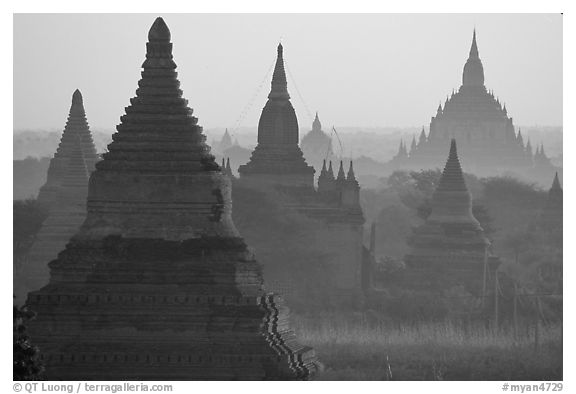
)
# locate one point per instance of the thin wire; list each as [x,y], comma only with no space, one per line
[298,92]
[250,103]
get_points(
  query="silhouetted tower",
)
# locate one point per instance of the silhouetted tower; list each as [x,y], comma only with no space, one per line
[76,127]
[65,218]
[449,249]
[277,158]
[158,284]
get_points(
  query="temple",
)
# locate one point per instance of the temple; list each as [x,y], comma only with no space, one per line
[277,152]
[480,124]
[551,216]
[158,284]
[76,127]
[317,145]
[64,197]
[450,248]
[278,169]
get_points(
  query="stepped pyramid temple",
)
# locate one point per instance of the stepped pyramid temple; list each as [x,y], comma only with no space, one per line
[480,124]
[158,284]
[66,216]
[277,166]
[76,126]
[450,248]
[317,145]
[64,197]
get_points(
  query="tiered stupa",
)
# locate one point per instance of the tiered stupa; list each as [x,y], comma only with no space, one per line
[277,152]
[158,284]
[278,169]
[317,145]
[450,248]
[479,122]
[76,126]
[66,216]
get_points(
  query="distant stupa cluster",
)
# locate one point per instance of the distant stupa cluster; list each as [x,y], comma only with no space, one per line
[139,272]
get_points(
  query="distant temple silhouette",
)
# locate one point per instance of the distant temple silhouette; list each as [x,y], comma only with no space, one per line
[277,165]
[158,284]
[63,195]
[480,124]
[317,145]
[277,152]
[76,126]
[450,248]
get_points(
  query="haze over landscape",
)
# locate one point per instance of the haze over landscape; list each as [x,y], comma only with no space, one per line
[361,70]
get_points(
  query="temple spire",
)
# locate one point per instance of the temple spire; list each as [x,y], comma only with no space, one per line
[351,176]
[452,176]
[474,47]
[519,138]
[159,47]
[422,138]
[279,90]
[323,171]
[330,171]
[316,125]
[473,74]
[556,184]
[341,177]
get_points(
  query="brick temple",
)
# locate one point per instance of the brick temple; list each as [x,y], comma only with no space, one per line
[66,216]
[480,123]
[277,166]
[450,248]
[76,127]
[157,284]
[64,197]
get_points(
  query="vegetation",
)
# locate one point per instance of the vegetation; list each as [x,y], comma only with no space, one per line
[26,365]
[363,348]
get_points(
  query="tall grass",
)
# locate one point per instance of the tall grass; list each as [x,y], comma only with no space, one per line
[357,349]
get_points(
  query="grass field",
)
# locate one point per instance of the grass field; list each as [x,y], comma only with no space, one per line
[359,350]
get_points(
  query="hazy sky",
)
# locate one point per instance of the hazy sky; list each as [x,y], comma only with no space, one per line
[355,69]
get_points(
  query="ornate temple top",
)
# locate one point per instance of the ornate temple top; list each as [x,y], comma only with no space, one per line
[473,74]
[159,164]
[277,153]
[76,125]
[452,176]
[279,90]
[316,125]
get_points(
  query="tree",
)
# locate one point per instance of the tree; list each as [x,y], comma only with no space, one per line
[26,363]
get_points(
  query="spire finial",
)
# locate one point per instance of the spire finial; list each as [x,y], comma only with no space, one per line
[279,88]
[474,47]
[77,97]
[159,47]
[316,125]
[159,31]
